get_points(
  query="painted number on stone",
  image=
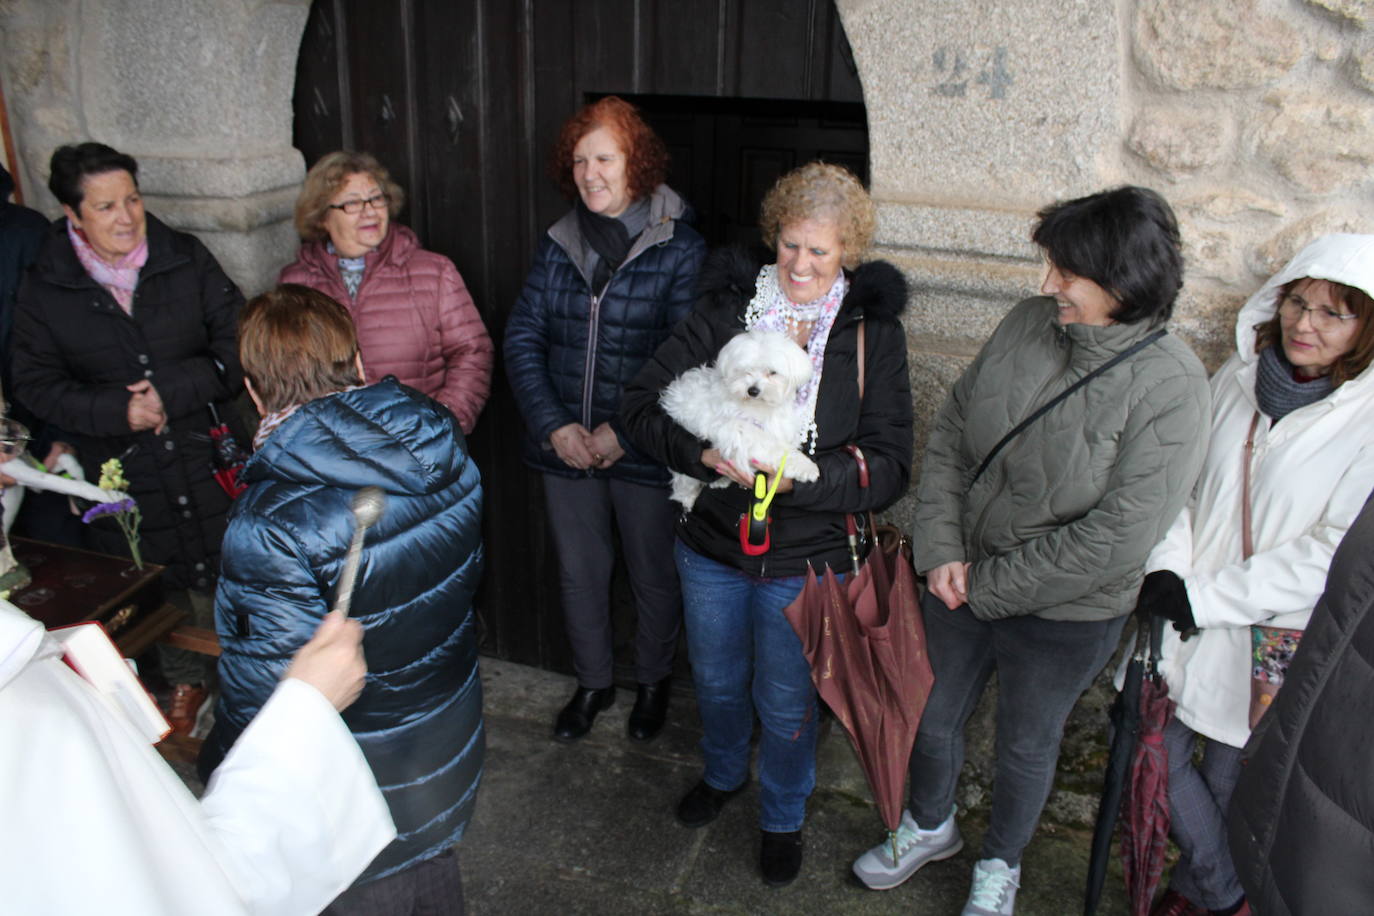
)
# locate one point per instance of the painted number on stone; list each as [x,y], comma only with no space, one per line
[954,71]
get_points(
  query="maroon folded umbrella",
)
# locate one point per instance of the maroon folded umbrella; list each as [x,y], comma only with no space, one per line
[866,644]
[1145,825]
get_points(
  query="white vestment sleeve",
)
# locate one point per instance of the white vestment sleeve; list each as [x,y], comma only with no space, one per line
[295,807]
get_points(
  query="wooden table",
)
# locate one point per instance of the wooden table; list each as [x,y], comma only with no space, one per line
[71,586]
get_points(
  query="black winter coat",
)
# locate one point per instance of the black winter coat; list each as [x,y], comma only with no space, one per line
[808,525]
[570,354]
[75,351]
[22,233]
[1302,816]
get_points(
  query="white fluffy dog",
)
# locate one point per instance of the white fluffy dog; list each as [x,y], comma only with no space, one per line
[744,405]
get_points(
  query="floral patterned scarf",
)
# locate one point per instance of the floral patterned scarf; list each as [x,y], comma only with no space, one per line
[119,278]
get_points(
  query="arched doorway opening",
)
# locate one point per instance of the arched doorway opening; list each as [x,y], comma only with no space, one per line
[462,103]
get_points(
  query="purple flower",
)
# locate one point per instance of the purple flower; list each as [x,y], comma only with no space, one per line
[96,511]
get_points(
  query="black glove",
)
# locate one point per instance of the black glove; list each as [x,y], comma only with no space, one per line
[1164,595]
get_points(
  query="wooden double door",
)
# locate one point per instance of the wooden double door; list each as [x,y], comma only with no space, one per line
[462,102]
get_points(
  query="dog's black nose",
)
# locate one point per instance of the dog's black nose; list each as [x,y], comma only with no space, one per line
[753,391]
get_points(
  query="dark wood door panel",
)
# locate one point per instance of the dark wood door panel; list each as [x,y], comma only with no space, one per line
[463,101]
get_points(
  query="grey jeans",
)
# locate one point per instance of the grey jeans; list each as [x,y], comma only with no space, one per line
[581,515]
[1043,667]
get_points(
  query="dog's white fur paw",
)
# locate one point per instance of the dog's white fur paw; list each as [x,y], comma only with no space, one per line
[801,467]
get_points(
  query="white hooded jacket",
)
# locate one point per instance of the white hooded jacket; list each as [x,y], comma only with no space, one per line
[1309,476]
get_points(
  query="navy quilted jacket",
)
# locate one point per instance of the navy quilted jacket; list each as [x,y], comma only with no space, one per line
[419,719]
[570,354]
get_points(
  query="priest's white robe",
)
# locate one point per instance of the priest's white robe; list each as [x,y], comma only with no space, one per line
[92,820]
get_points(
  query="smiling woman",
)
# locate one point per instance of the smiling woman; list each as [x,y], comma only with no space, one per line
[746,658]
[609,282]
[415,318]
[124,338]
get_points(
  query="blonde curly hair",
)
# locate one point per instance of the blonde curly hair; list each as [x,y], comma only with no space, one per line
[821,191]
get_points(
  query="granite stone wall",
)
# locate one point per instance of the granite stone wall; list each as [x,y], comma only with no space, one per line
[198,91]
[1253,117]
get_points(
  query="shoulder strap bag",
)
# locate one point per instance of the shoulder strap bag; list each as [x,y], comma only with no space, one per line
[1020,427]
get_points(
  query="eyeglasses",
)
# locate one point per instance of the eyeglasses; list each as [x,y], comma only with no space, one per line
[355,206]
[1323,318]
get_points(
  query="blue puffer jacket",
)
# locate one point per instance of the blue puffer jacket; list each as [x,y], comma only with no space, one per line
[570,354]
[419,719]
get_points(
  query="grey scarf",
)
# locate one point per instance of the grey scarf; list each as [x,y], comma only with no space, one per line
[1278,393]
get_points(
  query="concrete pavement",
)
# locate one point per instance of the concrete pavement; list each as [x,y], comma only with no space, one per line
[588,828]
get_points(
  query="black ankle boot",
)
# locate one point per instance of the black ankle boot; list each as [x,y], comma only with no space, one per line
[576,719]
[650,712]
[780,857]
[702,803]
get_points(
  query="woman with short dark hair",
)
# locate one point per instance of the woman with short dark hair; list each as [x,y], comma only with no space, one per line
[1034,564]
[124,339]
[324,436]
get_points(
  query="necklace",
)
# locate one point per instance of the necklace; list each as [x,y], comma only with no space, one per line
[771,310]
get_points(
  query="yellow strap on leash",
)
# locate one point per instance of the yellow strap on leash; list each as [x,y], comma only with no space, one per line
[763,494]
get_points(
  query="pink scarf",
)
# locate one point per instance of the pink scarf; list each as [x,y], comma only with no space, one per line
[119,278]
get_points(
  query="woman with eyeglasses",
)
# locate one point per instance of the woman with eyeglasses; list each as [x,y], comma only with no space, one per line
[1292,411]
[414,315]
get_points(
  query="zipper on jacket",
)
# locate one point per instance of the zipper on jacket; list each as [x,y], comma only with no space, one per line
[976,534]
[593,320]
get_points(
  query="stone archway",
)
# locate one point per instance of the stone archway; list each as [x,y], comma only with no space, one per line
[199,94]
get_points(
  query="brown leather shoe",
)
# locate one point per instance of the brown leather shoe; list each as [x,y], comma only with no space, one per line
[183,707]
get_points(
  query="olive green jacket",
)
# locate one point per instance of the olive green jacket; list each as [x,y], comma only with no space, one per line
[1061,522]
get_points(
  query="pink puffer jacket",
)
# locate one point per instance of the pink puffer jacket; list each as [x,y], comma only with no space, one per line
[415,320]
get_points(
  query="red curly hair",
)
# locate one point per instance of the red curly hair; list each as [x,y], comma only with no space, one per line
[646,158]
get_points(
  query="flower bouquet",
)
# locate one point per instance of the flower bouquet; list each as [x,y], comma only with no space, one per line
[124,511]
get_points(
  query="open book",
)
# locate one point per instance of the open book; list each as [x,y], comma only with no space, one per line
[90,653]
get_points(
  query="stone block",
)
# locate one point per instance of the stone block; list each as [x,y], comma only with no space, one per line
[1360,65]
[1213,44]
[969,231]
[1205,318]
[253,259]
[1229,204]
[986,104]
[1267,258]
[1178,140]
[1319,143]
[148,74]
[1357,12]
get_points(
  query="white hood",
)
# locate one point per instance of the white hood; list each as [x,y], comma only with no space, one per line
[1345,258]
[21,639]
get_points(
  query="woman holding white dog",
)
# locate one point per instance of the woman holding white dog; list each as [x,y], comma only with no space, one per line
[609,282]
[745,656]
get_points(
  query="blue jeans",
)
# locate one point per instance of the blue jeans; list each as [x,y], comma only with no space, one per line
[746,659]
[1043,667]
